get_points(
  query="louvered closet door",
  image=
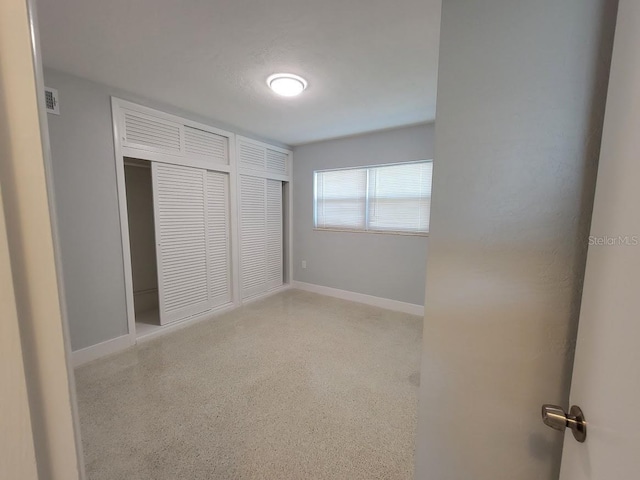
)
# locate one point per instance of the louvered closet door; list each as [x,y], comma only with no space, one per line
[274,234]
[218,241]
[261,257]
[253,235]
[181,238]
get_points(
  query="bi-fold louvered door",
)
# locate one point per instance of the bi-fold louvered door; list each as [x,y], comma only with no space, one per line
[261,248]
[218,239]
[192,235]
[274,233]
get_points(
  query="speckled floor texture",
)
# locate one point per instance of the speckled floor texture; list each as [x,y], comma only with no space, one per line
[296,386]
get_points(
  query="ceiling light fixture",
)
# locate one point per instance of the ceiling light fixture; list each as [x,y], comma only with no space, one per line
[286,84]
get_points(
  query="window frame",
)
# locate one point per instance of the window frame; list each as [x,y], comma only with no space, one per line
[365,230]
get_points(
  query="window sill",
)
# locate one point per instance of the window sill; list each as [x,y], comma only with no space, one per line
[376,232]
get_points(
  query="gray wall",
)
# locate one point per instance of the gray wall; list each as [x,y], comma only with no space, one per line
[521,96]
[383,265]
[84,181]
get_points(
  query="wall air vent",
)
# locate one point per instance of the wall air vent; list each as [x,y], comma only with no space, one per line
[51,100]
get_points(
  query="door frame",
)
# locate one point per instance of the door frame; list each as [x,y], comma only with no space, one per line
[287,213]
[30,227]
[121,151]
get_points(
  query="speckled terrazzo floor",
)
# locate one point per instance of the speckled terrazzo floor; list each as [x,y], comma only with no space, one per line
[296,386]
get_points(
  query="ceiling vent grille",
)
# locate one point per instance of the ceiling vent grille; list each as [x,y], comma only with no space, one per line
[51,100]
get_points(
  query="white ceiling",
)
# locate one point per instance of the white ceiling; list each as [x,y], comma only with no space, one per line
[371,64]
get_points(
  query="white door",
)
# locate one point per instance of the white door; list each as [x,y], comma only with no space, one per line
[218,240]
[261,237]
[606,375]
[253,235]
[181,241]
[274,234]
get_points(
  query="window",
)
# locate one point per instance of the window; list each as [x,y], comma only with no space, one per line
[386,198]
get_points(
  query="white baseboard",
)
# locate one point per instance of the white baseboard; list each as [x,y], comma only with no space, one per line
[261,296]
[84,355]
[88,354]
[172,327]
[380,302]
[175,326]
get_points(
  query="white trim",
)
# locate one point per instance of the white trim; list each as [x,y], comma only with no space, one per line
[115,345]
[380,302]
[234,225]
[362,167]
[88,354]
[180,324]
[263,144]
[124,218]
[187,161]
[287,254]
[290,213]
[382,232]
[48,168]
[261,296]
[249,172]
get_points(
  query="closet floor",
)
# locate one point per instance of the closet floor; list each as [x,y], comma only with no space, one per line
[147,322]
[296,386]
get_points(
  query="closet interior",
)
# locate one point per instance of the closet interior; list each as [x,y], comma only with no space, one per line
[207,217]
[142,242]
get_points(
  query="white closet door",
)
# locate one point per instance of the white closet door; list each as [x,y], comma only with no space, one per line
[253,235]
[218,245]
[181,238]
[261,252]
[274,234]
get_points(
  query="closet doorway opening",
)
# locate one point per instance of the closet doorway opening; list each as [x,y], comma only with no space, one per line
[287,267]
[142,243]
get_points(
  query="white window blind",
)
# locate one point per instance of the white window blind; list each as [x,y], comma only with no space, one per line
[400,197]
[341,199]
[387,198]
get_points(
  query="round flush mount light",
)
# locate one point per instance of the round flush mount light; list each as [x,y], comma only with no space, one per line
[286,84]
